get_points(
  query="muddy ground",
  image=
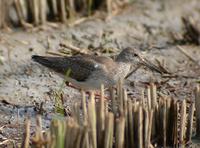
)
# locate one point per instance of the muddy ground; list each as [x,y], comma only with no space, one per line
[147,26]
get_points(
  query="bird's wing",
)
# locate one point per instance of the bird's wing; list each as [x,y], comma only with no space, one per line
[80,66]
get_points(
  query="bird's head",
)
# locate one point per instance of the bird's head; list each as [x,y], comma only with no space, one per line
[129,55]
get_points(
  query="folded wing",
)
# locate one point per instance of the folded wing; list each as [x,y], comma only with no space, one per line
[80,66]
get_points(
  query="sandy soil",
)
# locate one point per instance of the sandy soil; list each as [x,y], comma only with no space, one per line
[24,85]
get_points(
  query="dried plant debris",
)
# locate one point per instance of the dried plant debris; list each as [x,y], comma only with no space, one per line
[38,12]
[152,121]
[191,32]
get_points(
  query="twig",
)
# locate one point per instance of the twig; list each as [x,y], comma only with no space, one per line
[74,48]
[55,53]
[187,55]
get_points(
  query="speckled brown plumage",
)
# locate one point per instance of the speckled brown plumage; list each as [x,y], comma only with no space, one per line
[89,72]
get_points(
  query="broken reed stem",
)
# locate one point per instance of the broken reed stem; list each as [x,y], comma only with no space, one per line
[113,100]
[39,127]
[190,122]
[101,116]
[102,109]
[153,95]
[109,129]
[35,12]
[120,96]
[43,14]
[85,115]
[85,140]
[149,98]
[130,123]
[76,112]
[92,119]
[39,11]
[19,11]
[146,127]
[54,7]
[26,140]
[140,127]
[150,127]
[197,104]
[164,123]
[131,127]
[109,7]
[63,11]
[183,122]
[120,128]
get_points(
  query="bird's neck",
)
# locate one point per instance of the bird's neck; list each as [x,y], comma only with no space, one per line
[123,69]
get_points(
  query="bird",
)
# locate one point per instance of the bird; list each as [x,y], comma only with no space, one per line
[88,72]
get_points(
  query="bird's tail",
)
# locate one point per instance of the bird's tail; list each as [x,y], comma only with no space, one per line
[42,60]
[55,63]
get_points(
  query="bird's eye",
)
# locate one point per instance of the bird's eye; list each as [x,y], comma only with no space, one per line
[135,55]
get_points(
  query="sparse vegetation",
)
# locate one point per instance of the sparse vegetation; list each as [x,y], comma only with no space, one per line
[38,12]
[121,122]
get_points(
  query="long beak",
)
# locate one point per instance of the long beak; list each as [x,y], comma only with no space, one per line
[150,65]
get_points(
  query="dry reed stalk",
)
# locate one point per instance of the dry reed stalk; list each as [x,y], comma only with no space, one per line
[120,128]
[140,127]
[3,12]
[153,95]
[197,104]
[54,7]
[63,14]
[42,11]
[84,108]
[77,143]
[101,116]
[109,7]
[183,122]
[89,6]
[165,124]
[74,48]
[150,127]
[38,139]
[68,131]
[190,122]
[146,127]
[127,139]
[92,120]
[143,100]
[130,123]
[58,130]
[19,11]
[76,112]
[120,95]
[72,11]
[188,55]
[113,100]
[22,13]
[102,109]
[72,133]
[109,129]
[161,122]
[149,98]
[85,139]
[26,140]
[35,11]
[39,127]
